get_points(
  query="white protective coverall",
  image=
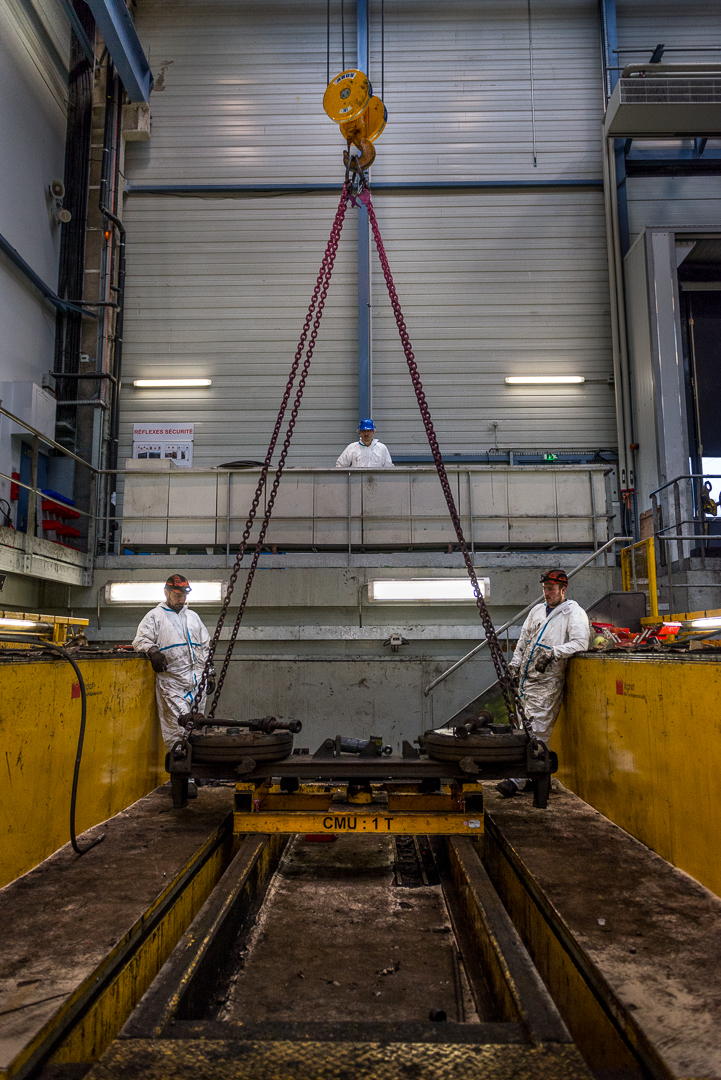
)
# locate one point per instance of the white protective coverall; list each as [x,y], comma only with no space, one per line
[358,456]
[563,632]
[183,639]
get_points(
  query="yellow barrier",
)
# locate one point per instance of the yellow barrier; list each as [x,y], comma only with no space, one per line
[639,739]
[122,757]
[638,569]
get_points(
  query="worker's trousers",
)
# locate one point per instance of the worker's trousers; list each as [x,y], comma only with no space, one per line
[542,699]
[174,698]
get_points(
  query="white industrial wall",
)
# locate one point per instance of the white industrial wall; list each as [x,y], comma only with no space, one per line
[34,54]
[492,283]
[693,25]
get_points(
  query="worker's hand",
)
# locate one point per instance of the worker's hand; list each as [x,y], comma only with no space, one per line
[157,659]
[544,661]
[211,681]
[515,677]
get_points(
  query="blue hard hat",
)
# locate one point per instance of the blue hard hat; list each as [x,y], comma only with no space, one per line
[366,425]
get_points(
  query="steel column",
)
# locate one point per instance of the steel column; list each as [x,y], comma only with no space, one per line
[365,350]
[611,74]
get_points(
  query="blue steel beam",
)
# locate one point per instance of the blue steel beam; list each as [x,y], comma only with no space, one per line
[412,185]
[115,24]
[610,53]
[365,347]
[52,297]
[610,44]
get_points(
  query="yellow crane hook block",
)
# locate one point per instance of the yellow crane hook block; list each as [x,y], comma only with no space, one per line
[347,95]
[374,120]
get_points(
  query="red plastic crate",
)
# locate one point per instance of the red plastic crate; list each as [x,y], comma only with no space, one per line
[50,507]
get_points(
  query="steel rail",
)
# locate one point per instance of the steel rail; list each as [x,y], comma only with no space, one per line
[521,614]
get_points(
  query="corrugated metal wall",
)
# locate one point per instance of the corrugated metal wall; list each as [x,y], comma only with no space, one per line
[492,283]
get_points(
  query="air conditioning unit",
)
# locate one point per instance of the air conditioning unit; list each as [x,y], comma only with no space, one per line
[31,403]
[666,101]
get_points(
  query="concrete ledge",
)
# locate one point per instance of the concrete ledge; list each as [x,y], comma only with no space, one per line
[84,937]
[628,945]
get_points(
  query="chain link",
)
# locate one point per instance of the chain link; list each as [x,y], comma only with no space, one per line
[511,697]
[315,309]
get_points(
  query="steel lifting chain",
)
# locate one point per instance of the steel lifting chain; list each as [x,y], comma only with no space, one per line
[511,696]
[315,308]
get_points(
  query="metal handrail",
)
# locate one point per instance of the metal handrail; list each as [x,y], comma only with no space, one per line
[596,517]
[523,612]
[670,70]
[39,491]
[47,439]
[685,476]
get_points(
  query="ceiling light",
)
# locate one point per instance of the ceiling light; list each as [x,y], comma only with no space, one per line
[172,382]
[707,624]
[152,592]
[425,590]
[556,380]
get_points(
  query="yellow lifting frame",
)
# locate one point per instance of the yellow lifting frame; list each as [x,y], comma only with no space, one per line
[313,808]
[60,627]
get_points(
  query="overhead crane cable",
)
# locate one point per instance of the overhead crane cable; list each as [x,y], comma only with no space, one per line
[511,697]
[533,95]
[342,31]
[327,41]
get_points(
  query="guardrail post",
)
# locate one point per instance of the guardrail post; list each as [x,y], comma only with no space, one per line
[679,526]
[651,573]
[32,495]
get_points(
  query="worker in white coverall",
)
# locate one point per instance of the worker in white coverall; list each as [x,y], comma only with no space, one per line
[367,452]
[553,632]
[176,642]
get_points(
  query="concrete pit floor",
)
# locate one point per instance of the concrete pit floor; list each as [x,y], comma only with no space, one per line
[337,940]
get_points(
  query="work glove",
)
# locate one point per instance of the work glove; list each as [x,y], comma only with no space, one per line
[544,661]
[515,678]
[211,681]
[157,659]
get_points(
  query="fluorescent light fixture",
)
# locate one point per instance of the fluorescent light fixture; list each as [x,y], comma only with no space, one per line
[539,380]
[711,623]
[151,592]
[172,382]
[425,590]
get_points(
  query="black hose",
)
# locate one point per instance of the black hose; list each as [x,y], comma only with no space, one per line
[81,738]
[79,753]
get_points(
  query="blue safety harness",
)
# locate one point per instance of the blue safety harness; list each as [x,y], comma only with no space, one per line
[537,642]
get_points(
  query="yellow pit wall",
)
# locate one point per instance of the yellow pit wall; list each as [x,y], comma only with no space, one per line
[123,754]
[639,738]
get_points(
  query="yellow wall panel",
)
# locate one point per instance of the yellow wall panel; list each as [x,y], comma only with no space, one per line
[123,753]
[640,740]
